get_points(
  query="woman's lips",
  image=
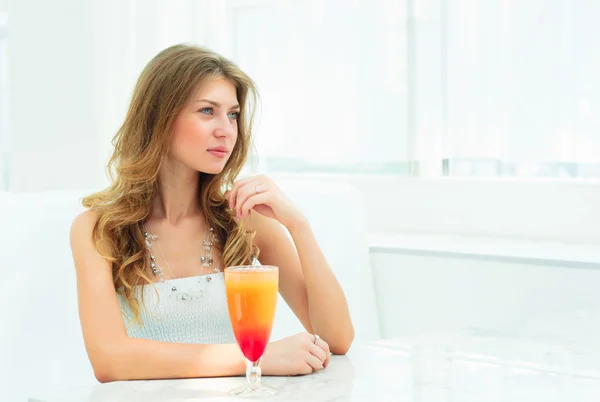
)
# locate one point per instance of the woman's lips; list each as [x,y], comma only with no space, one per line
[218,153]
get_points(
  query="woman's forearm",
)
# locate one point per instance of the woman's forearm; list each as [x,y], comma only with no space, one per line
[143,359]
[327,306]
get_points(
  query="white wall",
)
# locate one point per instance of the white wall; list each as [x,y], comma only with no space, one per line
[423,293]
[79,60]
[126,36]
[537,209]
[557,210]
[72,68]
[51,102]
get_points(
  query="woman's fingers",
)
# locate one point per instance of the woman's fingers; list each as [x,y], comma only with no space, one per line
[251,203]
[259,180]
[314,362]
[243,194]
[318,352]
[324,346]
[234,190]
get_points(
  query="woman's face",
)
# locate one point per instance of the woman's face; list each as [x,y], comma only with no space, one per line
[205,131]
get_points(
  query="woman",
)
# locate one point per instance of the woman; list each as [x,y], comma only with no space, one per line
[150,250]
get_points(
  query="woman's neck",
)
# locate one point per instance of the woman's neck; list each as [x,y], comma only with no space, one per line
[178,189]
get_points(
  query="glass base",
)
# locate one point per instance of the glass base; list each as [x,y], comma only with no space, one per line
[253,391]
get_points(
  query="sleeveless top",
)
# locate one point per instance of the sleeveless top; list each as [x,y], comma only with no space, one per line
[184,310]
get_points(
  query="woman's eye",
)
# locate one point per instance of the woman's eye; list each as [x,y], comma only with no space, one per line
[206,110]
[234,115]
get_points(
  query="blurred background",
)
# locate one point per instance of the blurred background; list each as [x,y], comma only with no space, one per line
[476,118]
[465,136]
[451,117]
[422,88]
[384,94]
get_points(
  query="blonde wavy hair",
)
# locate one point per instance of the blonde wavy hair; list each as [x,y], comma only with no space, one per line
[140,145]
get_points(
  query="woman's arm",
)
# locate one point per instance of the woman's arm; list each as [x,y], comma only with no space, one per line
[307,283]
[113,355]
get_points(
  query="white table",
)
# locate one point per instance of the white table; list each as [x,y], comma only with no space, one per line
[463,367]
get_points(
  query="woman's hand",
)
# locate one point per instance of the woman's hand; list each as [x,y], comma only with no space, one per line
[261,194]
[295,355]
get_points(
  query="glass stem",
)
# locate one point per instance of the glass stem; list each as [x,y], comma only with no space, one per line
[253,372]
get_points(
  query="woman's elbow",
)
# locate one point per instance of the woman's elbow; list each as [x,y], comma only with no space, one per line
[344,341]
[105,372]
[104,365]
[103,376]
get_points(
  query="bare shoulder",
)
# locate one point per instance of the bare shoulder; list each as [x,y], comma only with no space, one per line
[84,222]
[83,246]
[83,226]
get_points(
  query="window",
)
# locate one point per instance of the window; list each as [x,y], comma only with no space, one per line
[333,80]
[521,88]
[422,87]
[4,140]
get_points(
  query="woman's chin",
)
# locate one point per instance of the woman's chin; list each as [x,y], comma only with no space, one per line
[211,169]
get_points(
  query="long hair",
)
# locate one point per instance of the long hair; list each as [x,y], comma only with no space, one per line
[142,143]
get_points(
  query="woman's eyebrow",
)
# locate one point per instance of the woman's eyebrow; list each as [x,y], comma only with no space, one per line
[216,104]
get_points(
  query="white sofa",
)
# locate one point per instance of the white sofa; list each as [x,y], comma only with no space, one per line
[41,348]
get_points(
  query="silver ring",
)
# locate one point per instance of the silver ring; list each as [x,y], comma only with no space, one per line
[256,188]
[317,337]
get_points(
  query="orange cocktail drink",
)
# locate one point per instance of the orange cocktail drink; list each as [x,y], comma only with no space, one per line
[251,300]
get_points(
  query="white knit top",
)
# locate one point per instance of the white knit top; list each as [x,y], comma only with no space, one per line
[196,312]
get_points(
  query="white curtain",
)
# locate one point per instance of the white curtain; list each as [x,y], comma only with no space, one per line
[4,128]
[333,82]
[331,74]
[367,86]
[491,87]
[521,81]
